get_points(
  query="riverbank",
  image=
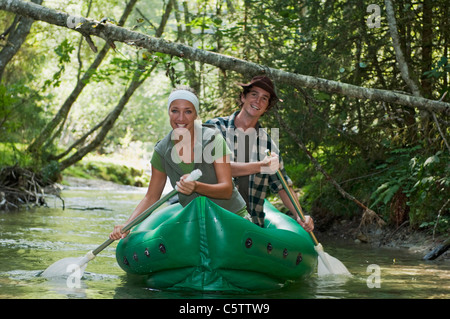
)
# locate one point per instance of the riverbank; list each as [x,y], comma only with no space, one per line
[78,182]
[419,242]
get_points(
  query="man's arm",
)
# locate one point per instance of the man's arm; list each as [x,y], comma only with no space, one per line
[269,165]
[308,223]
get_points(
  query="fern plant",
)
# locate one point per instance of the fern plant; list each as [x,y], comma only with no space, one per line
[423,179]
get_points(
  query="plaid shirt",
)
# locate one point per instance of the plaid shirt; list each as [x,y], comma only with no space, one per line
[258,183]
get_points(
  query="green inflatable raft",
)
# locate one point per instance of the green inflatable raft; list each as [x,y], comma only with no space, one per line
[204,247]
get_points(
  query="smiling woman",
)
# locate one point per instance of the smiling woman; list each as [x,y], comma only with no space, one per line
[183,107]
[180,152]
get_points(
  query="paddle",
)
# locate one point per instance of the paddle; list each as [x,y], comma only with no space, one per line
[67,266]
[328,265]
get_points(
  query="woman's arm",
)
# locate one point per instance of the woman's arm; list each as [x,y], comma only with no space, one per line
[154,191]
[222,190]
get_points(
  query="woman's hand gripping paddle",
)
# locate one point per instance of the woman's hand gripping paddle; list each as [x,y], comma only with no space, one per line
[76,266]
[327,265]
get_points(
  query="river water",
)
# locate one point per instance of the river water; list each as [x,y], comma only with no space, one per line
[33,239]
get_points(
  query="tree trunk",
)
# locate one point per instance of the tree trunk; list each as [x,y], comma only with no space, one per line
[109,121]
[426,65]
[63,112]
[411,81]
[113,33]
[403,66]
[427,47]
[18,32]
[106,125]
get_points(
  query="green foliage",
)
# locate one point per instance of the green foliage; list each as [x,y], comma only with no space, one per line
[398,175]
[423,178]
[299,173]
[374,150]
[51,171]
[440,225]
[13,154]
[121,174]
[440,69]
[20,112]
[432,187]
[63,52]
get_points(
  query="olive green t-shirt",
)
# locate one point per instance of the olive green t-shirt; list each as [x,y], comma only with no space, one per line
[219,144]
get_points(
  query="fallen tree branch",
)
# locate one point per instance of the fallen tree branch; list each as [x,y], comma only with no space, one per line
[22,187]
[19,187]
[113,33]
[89,208]
[439,250]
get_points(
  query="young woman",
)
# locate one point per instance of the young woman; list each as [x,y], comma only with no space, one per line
[187,147]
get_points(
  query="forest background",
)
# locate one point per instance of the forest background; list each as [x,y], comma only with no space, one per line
[69,101]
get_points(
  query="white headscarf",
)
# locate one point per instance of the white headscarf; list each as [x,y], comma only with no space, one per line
[184,95]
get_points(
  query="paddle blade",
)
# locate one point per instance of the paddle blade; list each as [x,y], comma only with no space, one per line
[328,265]
[68,266]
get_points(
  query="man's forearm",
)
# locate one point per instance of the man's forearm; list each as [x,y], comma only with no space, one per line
[244,169]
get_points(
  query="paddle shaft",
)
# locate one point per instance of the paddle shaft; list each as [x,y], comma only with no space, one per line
[294,202]
[136,221]
[297,206]
[330,265]
[193,176]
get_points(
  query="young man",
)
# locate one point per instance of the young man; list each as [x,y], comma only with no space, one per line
[252,170]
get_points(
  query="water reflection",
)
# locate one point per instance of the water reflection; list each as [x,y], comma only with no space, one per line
[31,240]
[332,286]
